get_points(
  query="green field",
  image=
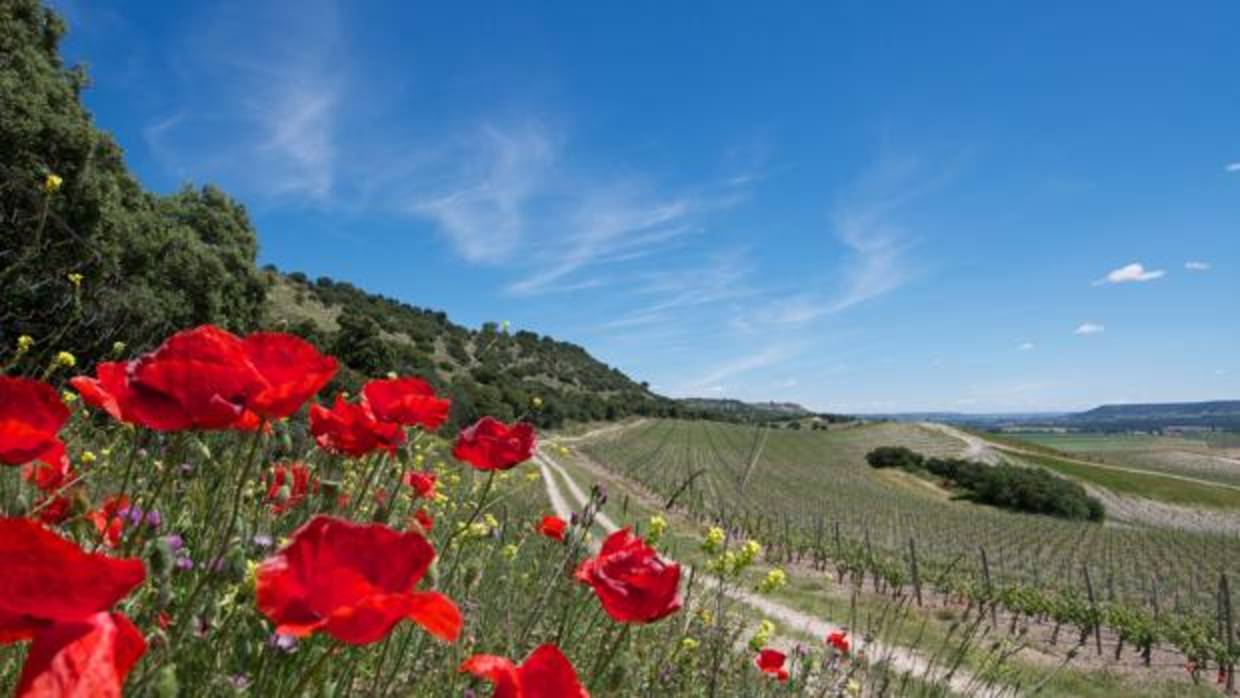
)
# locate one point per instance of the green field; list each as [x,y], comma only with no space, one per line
[803,484]
[1212,457]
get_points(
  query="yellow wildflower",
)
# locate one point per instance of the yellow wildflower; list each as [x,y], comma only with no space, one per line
[763,635]
[536,402]
[689,644]
[714,540]
[66,359]
[749,553]
[69,397]
[52,183]
[118,347]
[88,457]
[532,475]
[24,343]
[509,552]
[76,279]
[658,526]
[775,580]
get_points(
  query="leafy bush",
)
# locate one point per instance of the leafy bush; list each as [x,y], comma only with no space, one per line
[1030,490]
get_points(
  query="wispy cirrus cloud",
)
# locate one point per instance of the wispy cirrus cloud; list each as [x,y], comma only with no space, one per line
[480,193]
[736,366]
[260,114]
[1130,273]
[867,222]
[1197,266]
[1086,328]
[1027,346]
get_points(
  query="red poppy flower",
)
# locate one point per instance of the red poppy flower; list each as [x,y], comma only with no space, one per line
[546,673]
[407,401]
[49,580]
[839,640]
[424,520]
[553,527]
[349,429]
[49,477]
[205,372]
[292,371]
[288,485]
[353,582]
[197,379]
[31,414]
[489,444]
[87,657]
[109,519]
[633,583]
[53,510]
[423,483]
[772,662]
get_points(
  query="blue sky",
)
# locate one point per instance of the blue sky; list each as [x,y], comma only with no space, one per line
[860,208]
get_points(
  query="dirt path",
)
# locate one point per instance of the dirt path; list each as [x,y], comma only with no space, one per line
[898,659]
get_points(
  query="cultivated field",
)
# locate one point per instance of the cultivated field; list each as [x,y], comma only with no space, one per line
[1214,457]
[810,496]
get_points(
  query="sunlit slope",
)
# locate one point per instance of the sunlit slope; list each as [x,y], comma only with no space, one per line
[803,484]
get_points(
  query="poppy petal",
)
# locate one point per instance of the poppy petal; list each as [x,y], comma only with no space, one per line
[437,614]
[87,658]
[292,368]
[48,579]
[498,670]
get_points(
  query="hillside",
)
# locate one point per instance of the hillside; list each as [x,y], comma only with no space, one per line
[1223,414]
[486,371]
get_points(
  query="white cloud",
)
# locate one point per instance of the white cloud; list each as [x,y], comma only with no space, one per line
[1197,265]
[789,383]
[258,102]
[492,177]
[1089,328]
[1232,167]
[740,365]
[1027,346]
[1129,273]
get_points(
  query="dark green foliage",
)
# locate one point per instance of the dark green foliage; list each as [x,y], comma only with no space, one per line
[150,264]
[1030,490]
[894,457]
[489,371]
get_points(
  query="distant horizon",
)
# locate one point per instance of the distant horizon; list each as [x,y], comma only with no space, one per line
[963,412]
[864,209]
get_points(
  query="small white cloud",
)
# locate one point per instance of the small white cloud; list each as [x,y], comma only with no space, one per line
[1232,167]
[1196,265]
[790,383]
[1089,328]
[1027,346]
[1130,273]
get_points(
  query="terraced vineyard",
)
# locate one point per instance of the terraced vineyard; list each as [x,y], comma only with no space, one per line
[811,495]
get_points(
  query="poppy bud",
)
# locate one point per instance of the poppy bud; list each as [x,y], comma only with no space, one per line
[166,684]
[161,557]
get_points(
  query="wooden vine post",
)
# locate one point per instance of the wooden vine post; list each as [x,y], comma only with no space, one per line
[990,589]
[1093,609]
[1229,631]
[912,561]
